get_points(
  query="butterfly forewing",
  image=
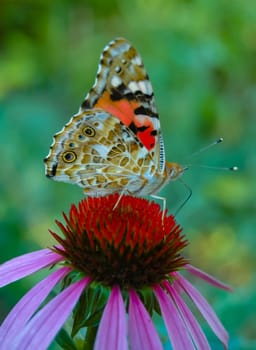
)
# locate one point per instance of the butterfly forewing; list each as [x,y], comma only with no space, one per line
[123,88]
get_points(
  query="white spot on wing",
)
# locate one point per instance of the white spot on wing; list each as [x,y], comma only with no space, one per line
[116,81]
[137,61]
[133,86]
[145,87]
[120,48]
[102,150]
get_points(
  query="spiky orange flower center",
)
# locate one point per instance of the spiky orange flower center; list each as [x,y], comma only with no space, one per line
[129,245]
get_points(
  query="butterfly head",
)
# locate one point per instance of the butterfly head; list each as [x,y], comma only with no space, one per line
[174,170]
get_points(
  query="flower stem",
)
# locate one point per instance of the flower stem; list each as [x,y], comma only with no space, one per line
[90,338]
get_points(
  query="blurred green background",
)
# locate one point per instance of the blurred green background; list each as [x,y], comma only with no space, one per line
[201,58]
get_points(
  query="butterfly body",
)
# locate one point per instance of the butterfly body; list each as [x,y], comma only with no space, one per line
[114,143]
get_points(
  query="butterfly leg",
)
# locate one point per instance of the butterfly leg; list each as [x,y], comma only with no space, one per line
[186,199]
[118,200]
[163,199]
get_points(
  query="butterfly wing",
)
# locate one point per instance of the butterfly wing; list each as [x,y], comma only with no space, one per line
[99,153]
[123,89]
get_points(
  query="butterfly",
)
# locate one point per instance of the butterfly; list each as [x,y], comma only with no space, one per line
[114,143]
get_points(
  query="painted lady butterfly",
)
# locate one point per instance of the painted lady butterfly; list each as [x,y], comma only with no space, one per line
[114,143]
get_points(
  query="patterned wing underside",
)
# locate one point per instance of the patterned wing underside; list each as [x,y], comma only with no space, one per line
[123,89]
[99,153]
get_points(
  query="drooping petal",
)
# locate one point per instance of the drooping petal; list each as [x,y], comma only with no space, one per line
[193,326]
[208,278]
[174,323]
[142,333]
[205,309]
[112,332]
[26,264]
[43,327]
[27,306]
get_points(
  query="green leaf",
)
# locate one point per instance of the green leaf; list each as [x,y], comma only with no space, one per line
[64,340]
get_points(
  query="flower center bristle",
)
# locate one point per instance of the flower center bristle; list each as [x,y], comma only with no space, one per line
[129,246]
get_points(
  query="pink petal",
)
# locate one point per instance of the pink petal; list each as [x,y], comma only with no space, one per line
[26,264]
[43,327]
[112,332]
[27,306]
[192,325]
[142,333]
[205,309]
[177,331]
[208,278]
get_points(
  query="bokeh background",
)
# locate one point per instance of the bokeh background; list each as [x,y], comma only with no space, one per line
[201,57]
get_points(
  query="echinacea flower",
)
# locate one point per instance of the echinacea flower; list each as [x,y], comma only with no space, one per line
[118,267]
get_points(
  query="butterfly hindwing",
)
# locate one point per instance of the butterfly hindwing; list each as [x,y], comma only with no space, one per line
[99,153]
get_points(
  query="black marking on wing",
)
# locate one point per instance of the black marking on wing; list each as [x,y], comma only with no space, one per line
[145,111]
[87,103]
[136,129]
[142,97]
[118,93]
[53,171]
[153,132]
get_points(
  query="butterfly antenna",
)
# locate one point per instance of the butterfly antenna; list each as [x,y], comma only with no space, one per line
[186,199]
[203,149]
[232,168]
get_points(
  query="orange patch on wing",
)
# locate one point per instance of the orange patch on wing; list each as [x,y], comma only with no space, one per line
[124,111]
